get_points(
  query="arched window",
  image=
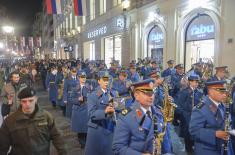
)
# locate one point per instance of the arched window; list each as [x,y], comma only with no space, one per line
[155,44]
[199,40]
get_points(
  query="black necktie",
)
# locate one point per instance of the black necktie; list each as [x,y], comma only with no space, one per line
[221,109]
[148,113]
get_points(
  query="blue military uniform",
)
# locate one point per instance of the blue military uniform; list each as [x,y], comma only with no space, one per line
[175,82]
[120,87]
[188,98]
[169,71]
[158,96]
[134,77]
[51,85]
[70,93]
[206,119]
[100,125]
[59,83]
[134,132]
[79,117]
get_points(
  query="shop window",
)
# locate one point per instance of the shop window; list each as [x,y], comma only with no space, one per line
[116,2]
[92,9]
[113,49]
[92,50]
[199,40]
[102,6]
[155,44]
[83,20]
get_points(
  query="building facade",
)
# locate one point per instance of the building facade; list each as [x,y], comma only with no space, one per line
[187,31]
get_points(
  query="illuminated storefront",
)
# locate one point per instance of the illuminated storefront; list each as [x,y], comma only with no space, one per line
[105,41]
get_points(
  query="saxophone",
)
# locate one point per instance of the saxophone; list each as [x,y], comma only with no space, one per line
[168,106]
[168,116]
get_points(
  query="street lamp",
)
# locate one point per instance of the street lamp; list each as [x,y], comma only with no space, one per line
[125,4]
[1,45]
[8,29]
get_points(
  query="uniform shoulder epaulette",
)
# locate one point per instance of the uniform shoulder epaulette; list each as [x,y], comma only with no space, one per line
[200,105]
[125,111]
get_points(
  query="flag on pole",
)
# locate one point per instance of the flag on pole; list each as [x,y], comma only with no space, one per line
[54,6]
[22,41]
[38,42]
[80,7]
[31,42]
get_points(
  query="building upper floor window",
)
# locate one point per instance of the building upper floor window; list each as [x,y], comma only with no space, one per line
[92,9]
[102,6]
[83,20]
[116,2]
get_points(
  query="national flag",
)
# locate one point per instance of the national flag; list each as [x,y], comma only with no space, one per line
[80,7]
[22,41]
[38,42]
[31,42]
[54,6]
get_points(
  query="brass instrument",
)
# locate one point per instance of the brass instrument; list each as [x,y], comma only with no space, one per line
[168,116]
[168,106]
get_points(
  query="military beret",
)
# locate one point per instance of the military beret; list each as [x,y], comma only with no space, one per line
[102,74]
[26,92]
[219,85]
[179,66]
[144,85]
[170,61]
[193,78]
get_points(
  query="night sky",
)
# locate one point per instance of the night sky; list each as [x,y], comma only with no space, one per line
[22,13]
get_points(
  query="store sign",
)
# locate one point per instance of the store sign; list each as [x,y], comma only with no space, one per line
[68,48]
[111,26]
[97,32]
[158,37]
[120,22]
[201,28]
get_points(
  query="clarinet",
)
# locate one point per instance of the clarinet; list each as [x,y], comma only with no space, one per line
[227,119]
[155,130]
[226,128]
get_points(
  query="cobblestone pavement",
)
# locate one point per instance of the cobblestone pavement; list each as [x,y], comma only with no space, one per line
[71,138]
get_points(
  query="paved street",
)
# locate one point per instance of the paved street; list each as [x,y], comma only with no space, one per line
[70,137]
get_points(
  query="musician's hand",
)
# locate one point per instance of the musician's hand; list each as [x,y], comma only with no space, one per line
[146,154]
[222,135]
[109,110]
[170,99]
[65,102]
[80,98]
